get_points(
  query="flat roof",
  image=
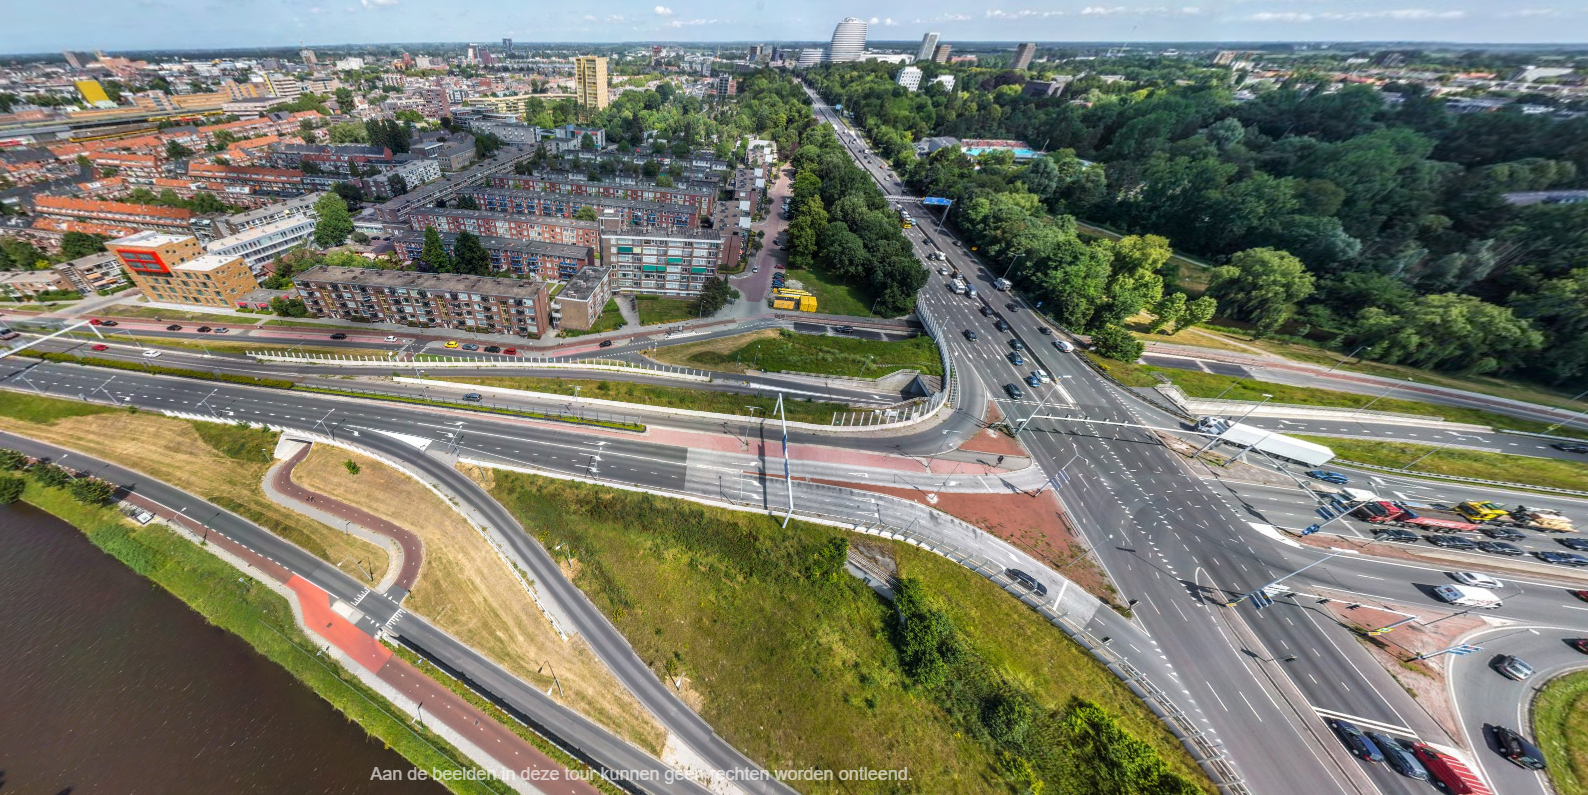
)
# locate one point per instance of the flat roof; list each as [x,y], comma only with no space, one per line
[583,285]
[554,196]
[149,238]
[414,280]
[208,262]
[509,243]
[534,219]
[253,232]
[666,233]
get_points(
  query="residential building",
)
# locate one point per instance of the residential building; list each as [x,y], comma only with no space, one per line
[723,86]
[122,215]
[940,55]
[174,269]
[1045,88]
[565,205]
[579,304]
[295,207]
[131,165]
[510,132]
[71,59]
[590,81]
[349,64]
[946,81]
[259,245]
[275,181]
[98,271]
[397,209]
[473,303]
[452,150]
[27,284]
[1023,54]
[545,261]
[755,53]
[849,41]
[910,78]
[519,227]
[576,134]
[438,100]
[284,86]
[334,159]
[928,48]
[667,262]
[1528,74]
[701,199]
[307,56]
[507,48]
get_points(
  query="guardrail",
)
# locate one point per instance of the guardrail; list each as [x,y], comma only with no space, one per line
[1542,436]
[519,362]
[1178,395]
[1460,479]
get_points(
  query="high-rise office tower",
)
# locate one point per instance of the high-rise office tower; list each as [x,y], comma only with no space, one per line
[590,81]
[307,56]
[849,41]
[71,59]
[1023,55]
[940,54]
[507,48]
[928,47]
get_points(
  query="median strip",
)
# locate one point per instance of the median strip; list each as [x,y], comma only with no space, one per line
[526,413]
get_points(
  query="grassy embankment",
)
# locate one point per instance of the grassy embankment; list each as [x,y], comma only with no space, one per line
[785,351]
[833,295]
[467,589]
[666,396]
[221,463]
[1210,385]
[611,320]
[1560,723]
[1552,472]
[260,617]
[800,665]
[177,315]
[656,311]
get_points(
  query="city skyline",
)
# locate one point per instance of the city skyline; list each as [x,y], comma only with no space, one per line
[146,24]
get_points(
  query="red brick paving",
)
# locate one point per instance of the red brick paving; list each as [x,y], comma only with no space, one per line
[413,549]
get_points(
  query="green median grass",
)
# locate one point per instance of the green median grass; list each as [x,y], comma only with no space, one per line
[800,666]
[1552,472]
[260,617]
[807,353]
[528,413]
[1560,723]
[40,410]
[1211,385]
[664,396]
[655,311]
[833,295]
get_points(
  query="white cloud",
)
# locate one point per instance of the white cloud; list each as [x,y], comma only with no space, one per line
[682,23]
[1353,16]
[664,11]
[889,22]
[1532,12]
[377,3]
[1024,13]
[1103,11]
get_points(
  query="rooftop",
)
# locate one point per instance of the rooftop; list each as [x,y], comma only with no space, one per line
[582,287]
[413,280]
[208,262]
[254,232]
[150,239]
[528,219]
[507,244]
[664,233]
[538,195]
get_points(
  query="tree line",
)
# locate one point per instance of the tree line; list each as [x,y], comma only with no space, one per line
[1354,217]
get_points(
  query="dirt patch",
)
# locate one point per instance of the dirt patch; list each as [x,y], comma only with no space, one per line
[1214,465]
[679,355]
[481,475]
[994,441]
[468,590]
[1035,524]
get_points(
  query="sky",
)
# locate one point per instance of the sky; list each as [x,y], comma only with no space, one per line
[44,26]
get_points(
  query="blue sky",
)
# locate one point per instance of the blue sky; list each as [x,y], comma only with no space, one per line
[38,25]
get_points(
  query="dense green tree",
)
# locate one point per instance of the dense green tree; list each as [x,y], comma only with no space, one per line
[174,150]
[11,488]
[714,295]
[79,244]
[289,307]
[434,257]
[1168,312]
[92,491]
[1261,285]
[1114,342]
[466,202]
[1449,331]
[469,256]
[586,213]
[334,223]
[1199,311]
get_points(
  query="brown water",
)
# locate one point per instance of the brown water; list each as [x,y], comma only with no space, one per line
[108,684]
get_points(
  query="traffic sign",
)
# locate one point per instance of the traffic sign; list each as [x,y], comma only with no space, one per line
[936,201]
[1465,650]
[1261,600]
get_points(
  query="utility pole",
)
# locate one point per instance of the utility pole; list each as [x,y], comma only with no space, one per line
[788,476]
[1217,437]
[1038,410]
[1347,358]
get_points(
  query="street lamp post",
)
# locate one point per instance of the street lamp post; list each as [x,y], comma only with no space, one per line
[1215,440]
[1038,410]
[1347,358]
[1572,417]
[747,419]
[1377,399]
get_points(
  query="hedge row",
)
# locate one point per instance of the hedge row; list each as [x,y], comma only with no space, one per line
[185,372]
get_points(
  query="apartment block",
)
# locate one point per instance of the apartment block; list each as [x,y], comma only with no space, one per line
[259,246]
[174,269]
[546,261]
[277,181]
[541,228]
[472,303]
[701,199]
[119,215]
[579,304]
[98,271]
[26,284]
[564,205]
[1023,55]
[138,167]
[331,159]
[666,262]
[590,81]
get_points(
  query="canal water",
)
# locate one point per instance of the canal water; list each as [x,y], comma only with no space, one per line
[108,684]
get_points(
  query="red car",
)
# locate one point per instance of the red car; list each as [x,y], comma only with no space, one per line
[510,351]
[94,322]
[100,348]
[1583,595]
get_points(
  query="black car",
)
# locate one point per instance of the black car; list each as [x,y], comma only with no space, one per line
[173,327]
[1027,581]
[1397,757]
[1571,447]
[1001,325]
[1504,533]
[203,329]
[108,323]
[604,344]
[1516,748]
[970,335]
[1017,345]
[844,329]
[1012,306]
[1562,558]
[493,349]
[1016,359]
[1450,542]
[1578,544]
[1501,548]
[1355,741]
[1396,535]
[986,311]
[1014,391]
[338,336]
[1044,330]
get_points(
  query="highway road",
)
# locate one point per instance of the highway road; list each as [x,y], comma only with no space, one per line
[1179,544]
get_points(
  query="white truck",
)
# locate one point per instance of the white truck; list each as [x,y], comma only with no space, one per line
[1276,444]
[1468,596]
[1002,284]
[958,286]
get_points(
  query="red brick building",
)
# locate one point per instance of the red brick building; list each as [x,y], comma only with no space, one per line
[518,227]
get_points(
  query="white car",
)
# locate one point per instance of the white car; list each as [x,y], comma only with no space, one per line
[1476,579]
[755,269]
[1064,345]
[942,271]
[1042,375]
[391,339]
[150,353]
[221,330]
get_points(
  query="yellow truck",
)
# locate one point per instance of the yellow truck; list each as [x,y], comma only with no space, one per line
[1542,519]
[801,303]
[1483,511]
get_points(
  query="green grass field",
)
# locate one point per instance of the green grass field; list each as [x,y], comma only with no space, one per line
[40,410]
[611,320]
[1552,472]
[665,396]
[659,311]
[795,662]
[175,315]
[258,616]
[833,295]
[1210,385]
[1560,723]
[808,353]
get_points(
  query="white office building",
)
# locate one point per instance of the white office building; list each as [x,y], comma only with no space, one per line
[946,81]
[810,57]
[259,246]
[928,48]
[849,41]
[910,78]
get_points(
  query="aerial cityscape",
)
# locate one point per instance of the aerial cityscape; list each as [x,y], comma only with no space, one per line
[1069,400]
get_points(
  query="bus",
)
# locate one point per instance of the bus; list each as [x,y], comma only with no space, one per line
[904,218]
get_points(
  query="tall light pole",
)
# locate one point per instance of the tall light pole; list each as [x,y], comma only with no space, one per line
[1347,358]
[1215,439]
[1012,264]
[1038,410]
[1572,417]
[1377,399]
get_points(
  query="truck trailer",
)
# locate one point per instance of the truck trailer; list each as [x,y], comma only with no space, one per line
[1468,596]
[1275,444]
[1540,519]
[1409,515]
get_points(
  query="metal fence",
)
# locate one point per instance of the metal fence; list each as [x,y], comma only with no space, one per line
[574,413]
[496,360]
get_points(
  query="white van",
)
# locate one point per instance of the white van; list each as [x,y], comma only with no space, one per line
[1468,596]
